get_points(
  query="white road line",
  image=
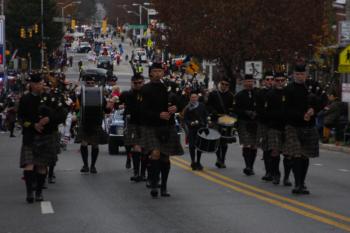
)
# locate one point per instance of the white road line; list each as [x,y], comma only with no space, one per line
[46,207]
[343,170]
[318,164]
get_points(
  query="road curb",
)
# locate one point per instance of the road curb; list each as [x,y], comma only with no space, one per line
[332,147]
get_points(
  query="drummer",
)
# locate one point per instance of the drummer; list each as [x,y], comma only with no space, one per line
[195,117]
[90,135]
[221,102]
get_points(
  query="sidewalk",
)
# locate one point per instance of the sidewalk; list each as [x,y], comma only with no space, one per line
[333,147]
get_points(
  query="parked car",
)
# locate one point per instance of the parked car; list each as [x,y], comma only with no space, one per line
[105,62]
[115,132]
[140,55]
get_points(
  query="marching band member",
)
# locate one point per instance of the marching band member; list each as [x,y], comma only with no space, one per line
[301,136]
[247,124]
[158,135]
[221,102]
[195,117]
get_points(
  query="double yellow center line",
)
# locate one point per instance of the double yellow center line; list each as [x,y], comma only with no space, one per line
[307,210]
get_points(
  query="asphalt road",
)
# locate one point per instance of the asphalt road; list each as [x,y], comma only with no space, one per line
[209,201]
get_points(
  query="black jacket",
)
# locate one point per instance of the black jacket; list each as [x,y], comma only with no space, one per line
[199,114]
[261,98]
[246,105]
[156,99]
[132,100]
[220,103]
[298,101]
[275,109]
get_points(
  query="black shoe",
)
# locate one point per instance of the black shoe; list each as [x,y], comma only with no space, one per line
[218,165]
[84,169]
[287,183]
[164,193]
[154,193]
[300,190]
[136,178]
[52,180]
[193,166]
[223,165]
[30,198]
[93,170]
[305,190]
[143,178]
[248,171]
[39,197]
[276,180]
[267,177]
[12,136]
[199,166]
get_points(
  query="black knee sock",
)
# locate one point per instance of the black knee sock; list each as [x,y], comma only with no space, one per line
[51,171]
[193,153]
[199,155]
[144,164]
[84,155]
[275,162]
[304,168]
[154,173]
[29,178]
[164,169]
[297,171]
[287,164]
[252,156]
[267,162]
[40,180]
[136,156]
[223,152]
[94,156]
[218,154]
[245,153]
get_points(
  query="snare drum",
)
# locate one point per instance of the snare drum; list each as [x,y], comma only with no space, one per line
[207,140]
[226,126]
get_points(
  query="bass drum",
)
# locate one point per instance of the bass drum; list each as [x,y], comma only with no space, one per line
[207,140]
[91,107]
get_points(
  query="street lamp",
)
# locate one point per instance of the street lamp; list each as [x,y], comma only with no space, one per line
[64,7]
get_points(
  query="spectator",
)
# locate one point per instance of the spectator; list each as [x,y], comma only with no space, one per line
[331,115]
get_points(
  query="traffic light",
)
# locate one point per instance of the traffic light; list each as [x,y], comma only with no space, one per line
[23,33]
[30,33]
[36,28]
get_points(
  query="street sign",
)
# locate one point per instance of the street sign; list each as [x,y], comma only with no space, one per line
[137,26]
[60,20]
[345,92]
[344,32]
[254,68]
[344,61]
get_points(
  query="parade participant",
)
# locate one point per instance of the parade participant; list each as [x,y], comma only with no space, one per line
[275,115]
[11,116]
[131,101]
[220,102]
[247,124]
[38,147]
[195,117]
[301,136]
[262,122]
[90,135]
[158,135]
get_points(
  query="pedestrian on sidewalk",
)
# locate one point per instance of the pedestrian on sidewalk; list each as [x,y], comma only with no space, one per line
[11,113]
[331,115]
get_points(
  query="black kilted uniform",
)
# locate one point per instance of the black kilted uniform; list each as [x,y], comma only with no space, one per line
[301,137]
[220,103]
[132,100]
[195,117]
[158,134]
[276,113]
[247,127]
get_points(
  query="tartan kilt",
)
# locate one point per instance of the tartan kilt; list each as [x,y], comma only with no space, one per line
[91,135]
[247,131]
[42,152]
[275,139]
[132,135]
[261,136]
[150,140]
[301,142]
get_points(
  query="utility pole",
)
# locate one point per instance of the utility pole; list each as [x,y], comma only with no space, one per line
[42,35]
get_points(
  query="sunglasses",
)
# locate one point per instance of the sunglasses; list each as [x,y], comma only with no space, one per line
[279,80]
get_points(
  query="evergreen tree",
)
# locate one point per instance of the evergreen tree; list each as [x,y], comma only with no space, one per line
[25,14]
